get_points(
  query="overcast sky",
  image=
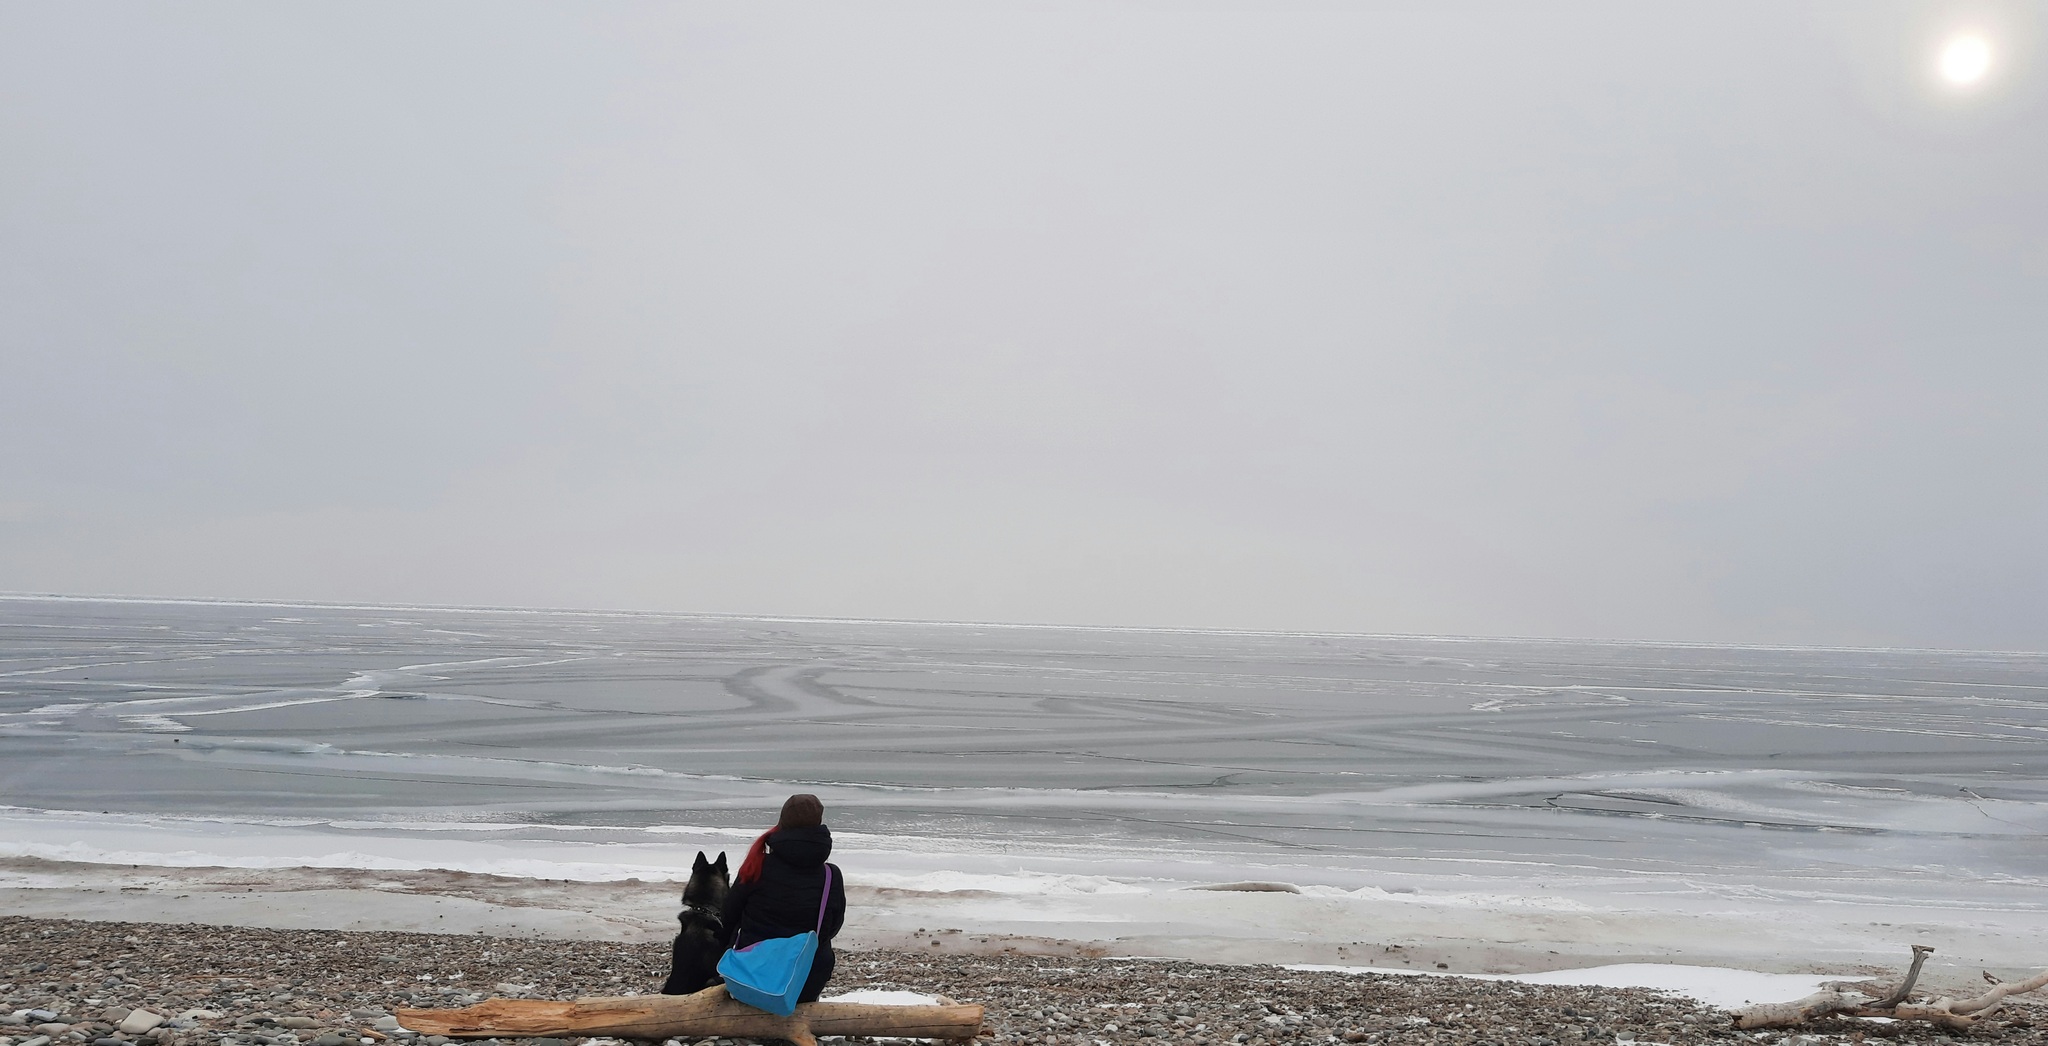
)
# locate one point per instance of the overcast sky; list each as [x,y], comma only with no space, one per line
[1710,321]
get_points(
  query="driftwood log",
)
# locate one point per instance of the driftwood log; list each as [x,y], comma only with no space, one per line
[1952,1014]
[709,1012]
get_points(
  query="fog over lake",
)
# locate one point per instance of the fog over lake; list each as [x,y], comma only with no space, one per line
[1689,322]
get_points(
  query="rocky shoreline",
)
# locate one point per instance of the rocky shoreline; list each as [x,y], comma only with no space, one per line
[77,983]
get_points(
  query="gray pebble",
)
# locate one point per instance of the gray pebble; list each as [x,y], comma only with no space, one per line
[1067,1000]
[138,1021]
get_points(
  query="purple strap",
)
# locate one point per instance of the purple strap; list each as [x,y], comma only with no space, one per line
[822,903]
[822,898]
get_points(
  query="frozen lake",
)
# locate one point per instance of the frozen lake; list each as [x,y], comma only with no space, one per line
[1829,787]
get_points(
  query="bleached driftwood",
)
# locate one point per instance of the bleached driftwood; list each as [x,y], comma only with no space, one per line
[1946,1012]
[707,1013]
[1936,1015]
[1996,997]
[1905,989]
[1798,1011]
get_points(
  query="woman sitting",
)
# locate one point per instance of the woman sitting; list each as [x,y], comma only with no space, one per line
[779,886]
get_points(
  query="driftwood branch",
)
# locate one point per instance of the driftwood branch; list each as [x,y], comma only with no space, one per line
[1936,1015]
[1990,1000]
[710,1012]
[1944,1013]
[1798,1011]
[1905,989]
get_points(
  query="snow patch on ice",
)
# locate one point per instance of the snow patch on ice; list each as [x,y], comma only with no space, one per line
[1020,883]
[155,723]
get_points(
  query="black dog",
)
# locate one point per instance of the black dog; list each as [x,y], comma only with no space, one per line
[693,963]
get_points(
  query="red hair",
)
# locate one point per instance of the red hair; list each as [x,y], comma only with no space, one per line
[798,811]
[750,869]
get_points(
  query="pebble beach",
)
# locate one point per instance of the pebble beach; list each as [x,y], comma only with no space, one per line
[87,983]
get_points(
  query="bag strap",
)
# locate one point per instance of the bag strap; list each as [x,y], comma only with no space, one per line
[826,895]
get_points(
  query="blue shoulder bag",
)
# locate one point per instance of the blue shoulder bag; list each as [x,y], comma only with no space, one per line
[770,974]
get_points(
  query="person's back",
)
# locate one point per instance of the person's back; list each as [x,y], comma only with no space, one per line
[780,886]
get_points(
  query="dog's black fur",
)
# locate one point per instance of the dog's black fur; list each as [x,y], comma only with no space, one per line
[693,962]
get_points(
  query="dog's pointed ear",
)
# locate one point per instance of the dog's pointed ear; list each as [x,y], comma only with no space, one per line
[701,862]
[720,863]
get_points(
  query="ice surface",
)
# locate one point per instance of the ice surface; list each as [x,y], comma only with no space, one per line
[1593,800]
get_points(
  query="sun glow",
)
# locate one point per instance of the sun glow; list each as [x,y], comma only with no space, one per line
[1965,59]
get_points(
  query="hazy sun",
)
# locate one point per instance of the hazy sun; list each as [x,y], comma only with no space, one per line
[1965,59]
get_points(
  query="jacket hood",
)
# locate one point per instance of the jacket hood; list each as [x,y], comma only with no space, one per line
[801,847]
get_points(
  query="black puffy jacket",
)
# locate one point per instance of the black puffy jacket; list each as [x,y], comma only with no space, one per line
[783,902]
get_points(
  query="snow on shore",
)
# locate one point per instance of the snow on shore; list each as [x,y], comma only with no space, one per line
[1716,986]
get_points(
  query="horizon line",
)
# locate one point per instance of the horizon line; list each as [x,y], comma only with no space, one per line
[1039,625]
